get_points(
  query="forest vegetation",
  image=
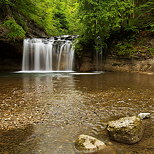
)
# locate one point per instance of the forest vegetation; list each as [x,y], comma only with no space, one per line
[97,22]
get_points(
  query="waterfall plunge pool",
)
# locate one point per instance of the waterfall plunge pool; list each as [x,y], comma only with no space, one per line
[70,72]
[43,72]
[44,113]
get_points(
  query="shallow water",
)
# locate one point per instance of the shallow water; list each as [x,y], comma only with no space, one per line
[44,113]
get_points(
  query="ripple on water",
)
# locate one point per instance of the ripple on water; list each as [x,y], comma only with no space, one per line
[59,109]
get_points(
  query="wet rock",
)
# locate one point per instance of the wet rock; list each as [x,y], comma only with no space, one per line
[66,37]
[144,115]
[88,144]
[126,130]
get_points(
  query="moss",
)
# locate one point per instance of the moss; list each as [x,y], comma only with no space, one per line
[80,143]
[20,20]
[15,30]
[126,130]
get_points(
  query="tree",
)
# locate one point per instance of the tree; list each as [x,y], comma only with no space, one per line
[100,18]
[56,17]
[143,15]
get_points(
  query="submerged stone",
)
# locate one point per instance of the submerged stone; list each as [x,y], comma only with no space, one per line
[89,144]
[126,130]
[144,115]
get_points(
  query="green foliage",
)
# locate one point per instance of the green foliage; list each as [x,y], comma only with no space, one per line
[125,48]
[142,16]
[151,50]
[91,19]
[6,2]
[15,30]
[55,17]
[101,18]
[21,21]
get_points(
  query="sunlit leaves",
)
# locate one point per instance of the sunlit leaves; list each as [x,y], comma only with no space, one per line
[101,17]
[56,17]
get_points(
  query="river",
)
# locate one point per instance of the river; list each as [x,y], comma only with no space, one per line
[45,113]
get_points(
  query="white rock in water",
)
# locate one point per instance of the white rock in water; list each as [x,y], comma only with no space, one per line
[88,144]
[144,115]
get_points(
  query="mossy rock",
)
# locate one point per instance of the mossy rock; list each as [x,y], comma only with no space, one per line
[127,130]
[88,144]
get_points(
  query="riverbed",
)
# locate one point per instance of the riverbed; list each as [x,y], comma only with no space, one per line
[45,113]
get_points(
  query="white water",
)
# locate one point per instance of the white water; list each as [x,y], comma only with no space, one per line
[47,55]
[99,54]
[90,73]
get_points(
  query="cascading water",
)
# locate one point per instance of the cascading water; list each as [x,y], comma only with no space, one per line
[98,54]
[47,55]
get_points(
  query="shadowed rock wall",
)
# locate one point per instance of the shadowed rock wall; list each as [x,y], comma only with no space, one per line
[10,55]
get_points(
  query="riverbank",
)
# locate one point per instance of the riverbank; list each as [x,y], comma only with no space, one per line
[119,64]
[129,65]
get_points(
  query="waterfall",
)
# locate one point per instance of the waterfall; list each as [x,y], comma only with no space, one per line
[98,54]
[42,54]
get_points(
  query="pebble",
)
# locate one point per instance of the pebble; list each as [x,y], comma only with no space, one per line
[144,115]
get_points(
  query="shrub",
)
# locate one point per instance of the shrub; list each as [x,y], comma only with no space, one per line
[125,49]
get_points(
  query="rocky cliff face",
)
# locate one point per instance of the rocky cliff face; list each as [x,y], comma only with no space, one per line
[141,61]
[129,65]
[14,27]
[11,50]
[10,56]
[114,64]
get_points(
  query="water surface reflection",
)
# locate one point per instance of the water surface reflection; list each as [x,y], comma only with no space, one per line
[59,107]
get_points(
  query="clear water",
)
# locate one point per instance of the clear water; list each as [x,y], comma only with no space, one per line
[44,113]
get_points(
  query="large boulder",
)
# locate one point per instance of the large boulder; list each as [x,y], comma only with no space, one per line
[88,144]
[126,130]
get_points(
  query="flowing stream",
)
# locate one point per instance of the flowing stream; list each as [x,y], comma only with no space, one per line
[44,113]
